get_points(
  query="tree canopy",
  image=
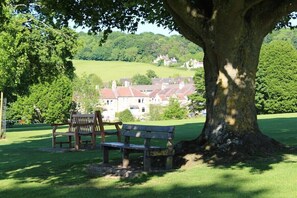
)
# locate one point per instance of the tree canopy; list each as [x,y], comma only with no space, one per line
[32,52]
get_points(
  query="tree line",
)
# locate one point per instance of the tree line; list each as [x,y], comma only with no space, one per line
[144,47]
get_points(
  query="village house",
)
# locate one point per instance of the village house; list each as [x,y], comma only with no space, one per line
[118,99]
[138,98]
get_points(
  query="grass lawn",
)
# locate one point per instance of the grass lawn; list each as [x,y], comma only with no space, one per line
[26,170]
[115,70]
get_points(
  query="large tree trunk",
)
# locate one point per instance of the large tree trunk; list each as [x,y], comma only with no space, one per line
[230,71]
[231,121]
[231,34]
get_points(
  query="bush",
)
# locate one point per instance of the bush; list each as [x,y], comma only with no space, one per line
[174,110]
[156,112]
[125,116]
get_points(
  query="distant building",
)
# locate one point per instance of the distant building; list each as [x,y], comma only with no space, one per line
[138,98]
[166,60]
[192,64]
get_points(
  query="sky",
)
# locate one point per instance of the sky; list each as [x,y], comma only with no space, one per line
[146,28]
[155,29]
[159,30]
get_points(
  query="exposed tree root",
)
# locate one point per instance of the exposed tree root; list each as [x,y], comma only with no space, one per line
[228,149]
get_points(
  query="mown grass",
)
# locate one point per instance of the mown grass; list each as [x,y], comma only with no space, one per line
[26,170]
[115,70]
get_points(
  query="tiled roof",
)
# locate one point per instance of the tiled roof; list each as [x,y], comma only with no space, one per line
[121,92]
[107,94]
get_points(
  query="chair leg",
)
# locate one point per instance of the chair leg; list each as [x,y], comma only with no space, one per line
[54,141]
[77,142]
[93,141]
[70,141]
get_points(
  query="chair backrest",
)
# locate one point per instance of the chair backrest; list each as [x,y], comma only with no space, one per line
[84,123]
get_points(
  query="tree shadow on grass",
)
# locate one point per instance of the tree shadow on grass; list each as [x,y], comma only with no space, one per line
[23,161]
[283,130]
[227,185]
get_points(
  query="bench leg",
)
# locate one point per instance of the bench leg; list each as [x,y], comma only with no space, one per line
[105,155]
[169,160]
[70,141]
[146,161]
[125,158]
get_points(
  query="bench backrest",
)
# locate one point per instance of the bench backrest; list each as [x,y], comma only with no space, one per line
[148,133]
[151,132]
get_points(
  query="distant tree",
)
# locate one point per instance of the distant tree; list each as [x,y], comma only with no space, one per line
[85,93]
[156,112]
[198,100]
[139,79]
[174,110]
[46,102]
[95,80]
[151,74]
[276,82]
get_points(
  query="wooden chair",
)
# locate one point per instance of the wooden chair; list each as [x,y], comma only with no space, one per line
[83,125]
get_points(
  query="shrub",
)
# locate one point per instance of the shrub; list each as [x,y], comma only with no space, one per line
[125,116]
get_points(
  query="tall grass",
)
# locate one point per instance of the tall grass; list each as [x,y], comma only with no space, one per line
[29,169]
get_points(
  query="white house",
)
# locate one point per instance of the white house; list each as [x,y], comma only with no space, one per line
[118,99]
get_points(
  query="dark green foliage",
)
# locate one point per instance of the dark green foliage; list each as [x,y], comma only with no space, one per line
[46,103]
[136,48]
[125,116]
[198,101]
[32,52]
[174,110]
[139,79]
[151,74]
[276,82]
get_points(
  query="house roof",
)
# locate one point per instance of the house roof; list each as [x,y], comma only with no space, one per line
[107,93]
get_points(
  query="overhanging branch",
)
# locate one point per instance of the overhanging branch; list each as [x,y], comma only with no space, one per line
[191,19]
[269,13]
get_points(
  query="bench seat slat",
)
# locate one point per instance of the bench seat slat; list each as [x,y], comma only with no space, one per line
[145,134]
[130,146]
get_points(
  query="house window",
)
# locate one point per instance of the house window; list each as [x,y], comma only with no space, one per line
[142,109]
[139,100]
[107,102]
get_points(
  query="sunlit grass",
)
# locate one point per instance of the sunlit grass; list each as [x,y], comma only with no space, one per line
[115,70]
[27,170]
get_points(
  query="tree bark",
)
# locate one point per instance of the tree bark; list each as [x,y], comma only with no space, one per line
[231,37]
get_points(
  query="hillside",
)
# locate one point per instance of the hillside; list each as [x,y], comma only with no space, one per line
[114,70]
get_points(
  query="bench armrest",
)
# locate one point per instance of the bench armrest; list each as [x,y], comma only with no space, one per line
[59,124]
[112,123]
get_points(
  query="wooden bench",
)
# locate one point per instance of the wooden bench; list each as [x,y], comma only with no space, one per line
[82,125]
[149,134]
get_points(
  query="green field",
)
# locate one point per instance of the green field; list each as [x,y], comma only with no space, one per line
[115,70]
[28,169]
